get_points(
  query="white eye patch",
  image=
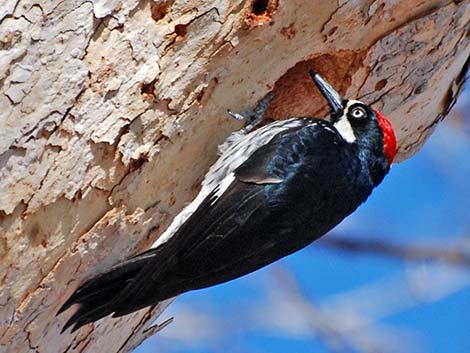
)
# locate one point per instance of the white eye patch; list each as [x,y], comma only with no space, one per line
[344,126]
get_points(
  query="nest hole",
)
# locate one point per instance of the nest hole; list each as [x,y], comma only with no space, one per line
[261,12]
[295,94]
[260,7]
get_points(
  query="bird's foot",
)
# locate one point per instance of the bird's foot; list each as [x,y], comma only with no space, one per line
[253,118]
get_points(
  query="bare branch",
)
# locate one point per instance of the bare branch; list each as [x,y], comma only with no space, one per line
[456,255]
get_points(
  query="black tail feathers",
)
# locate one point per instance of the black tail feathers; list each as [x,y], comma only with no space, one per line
[98,296]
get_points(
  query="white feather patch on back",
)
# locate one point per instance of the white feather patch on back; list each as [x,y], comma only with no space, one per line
[223,186]
[234,151]
[243,148]
[231,140]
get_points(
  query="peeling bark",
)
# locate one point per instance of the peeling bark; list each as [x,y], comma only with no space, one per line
[112,111]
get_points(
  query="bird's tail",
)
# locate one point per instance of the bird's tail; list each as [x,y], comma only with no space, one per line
[97,296]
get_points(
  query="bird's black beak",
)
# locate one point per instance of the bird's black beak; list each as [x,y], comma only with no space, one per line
[335,101]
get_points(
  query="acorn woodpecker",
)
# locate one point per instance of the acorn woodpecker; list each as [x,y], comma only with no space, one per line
[274,190]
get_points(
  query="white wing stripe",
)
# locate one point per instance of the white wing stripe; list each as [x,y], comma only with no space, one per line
[236,150]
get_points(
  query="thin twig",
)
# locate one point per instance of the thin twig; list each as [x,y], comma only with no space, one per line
[457,256]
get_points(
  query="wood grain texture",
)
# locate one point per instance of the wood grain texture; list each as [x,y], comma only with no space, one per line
[111,112]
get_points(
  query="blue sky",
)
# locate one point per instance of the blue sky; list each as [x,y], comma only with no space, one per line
[323,299]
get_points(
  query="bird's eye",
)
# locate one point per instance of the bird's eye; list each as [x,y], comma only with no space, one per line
[358,113]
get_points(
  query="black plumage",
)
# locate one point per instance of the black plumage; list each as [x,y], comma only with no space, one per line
[288,193]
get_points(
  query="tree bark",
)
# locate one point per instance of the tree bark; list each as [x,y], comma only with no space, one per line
[112,110]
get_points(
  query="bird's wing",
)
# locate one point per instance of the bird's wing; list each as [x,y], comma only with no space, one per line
[198,249]
[248,221]
[231,233]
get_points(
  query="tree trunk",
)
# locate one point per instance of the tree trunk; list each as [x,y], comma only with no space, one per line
[112,110]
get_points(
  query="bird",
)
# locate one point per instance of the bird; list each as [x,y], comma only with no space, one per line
[273,190]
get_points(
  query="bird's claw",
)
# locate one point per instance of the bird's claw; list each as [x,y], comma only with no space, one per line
[253,118]
[236,116]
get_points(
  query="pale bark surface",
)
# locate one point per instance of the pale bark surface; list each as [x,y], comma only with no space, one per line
[111,112]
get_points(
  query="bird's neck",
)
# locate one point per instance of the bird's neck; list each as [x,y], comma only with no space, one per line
[371,153]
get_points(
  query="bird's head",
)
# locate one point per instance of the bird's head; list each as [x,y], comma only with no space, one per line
[355,120]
